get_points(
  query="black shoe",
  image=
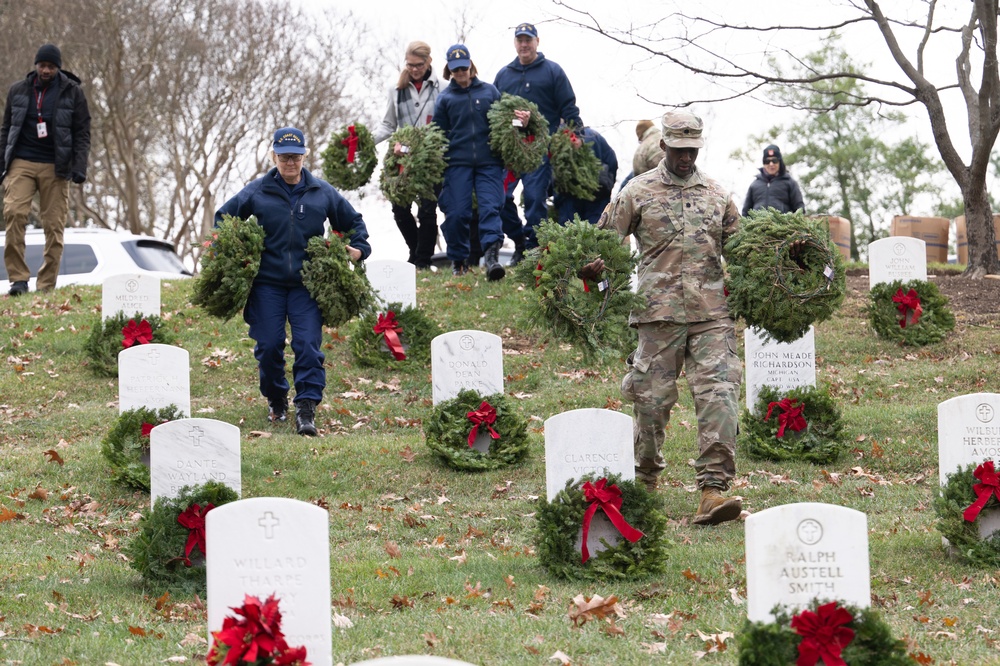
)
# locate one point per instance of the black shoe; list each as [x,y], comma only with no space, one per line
[494,271]
[305,412]
[18,288]
[459,268]
[278,410]
[518,255]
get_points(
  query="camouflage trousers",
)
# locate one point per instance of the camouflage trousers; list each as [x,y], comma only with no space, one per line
[707,350]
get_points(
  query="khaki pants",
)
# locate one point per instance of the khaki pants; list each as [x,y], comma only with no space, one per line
[708,351]
[23,179]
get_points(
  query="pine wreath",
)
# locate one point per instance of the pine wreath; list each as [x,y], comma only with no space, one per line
[821,441]
[159,551]
[349,159]
[950,503]
[127,444]
[229,265]
[558,523]
[575,168]
[414,175]
[522,149]
[887,314]
[107,338]
[771,290]
[594,318]
[777,643]
[416,332]
[339,286]
[448,429]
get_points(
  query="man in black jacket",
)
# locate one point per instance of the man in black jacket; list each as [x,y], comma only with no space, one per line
[45,143]
[773,187]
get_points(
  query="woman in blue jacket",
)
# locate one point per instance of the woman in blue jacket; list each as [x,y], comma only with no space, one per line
[292,206]
[461,112]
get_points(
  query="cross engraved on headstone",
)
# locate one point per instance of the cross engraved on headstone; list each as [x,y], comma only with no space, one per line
[268,522]
[984,413]
[810,531]
[388,271]
[153,356]
[196,434]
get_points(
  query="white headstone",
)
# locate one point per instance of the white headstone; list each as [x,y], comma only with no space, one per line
[799,552]
[189,452]
[412,660]
[393,281]
[131,293]
[154,376]
[896,258]
[969,434]
[466,360]
[272,545]
[784,365]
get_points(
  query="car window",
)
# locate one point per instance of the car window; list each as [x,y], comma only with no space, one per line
[76,259]
[153,255]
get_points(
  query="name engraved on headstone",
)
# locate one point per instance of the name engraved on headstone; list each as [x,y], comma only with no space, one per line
[189,452]
[154,376]
[130,294]
[783,365]
[462,360]
[896,258]
[394,281]
[969,434]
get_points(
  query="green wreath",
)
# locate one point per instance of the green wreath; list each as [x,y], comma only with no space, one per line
[417,330]
[158,549]
[935,321]
[448,428]
[339,286]
[522,149]
[777,644]
[107,339]
[126,444]
[574,168]
[774,292]
[338,170]
[557,526]
[950,502]
[416,174]
[596,319]
[229,265]
[821,441]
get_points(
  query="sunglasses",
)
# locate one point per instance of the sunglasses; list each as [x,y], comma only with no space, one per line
[290,158]
[458,69]
[771,160]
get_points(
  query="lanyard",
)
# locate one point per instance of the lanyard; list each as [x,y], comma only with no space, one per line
[39,96]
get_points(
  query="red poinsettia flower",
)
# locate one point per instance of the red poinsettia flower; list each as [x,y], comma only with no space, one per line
[292,657]
[824,635]
[137,334]
[256,636]
[193,518]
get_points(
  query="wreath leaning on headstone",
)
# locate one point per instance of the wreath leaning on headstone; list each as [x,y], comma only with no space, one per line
[126,446]
[522,148]
[169,548]
[454,425]
[827,632]
[349,159]
[802,423]
[415,174]
[558,525]
[912,313]
[393,337]
[958,505]
[774,291]
[575,167]
[339,286]
[229,264]
[121,331]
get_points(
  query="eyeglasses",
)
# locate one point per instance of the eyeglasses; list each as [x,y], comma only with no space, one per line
[771,160]
[458,69]
[415,65]
[285,159]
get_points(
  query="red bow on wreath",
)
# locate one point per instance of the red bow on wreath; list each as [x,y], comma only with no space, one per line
[790,417]
[908,306]
[989,484]
[193,518]
[351,142]
[147,428]
[823,634]
[140,334]
[390,328]
[609,499]
[486,415]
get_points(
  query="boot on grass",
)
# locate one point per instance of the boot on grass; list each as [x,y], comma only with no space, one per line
[715,508]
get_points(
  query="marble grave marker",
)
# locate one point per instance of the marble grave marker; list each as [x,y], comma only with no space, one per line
[968,434]
[132,294]
[394,281]
[896,258]
[154,376]
[466,360]
[784,365]
[189,452]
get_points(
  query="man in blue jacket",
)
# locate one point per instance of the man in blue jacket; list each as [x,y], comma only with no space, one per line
[543,82]
[292,206]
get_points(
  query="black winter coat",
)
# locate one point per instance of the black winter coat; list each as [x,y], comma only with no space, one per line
[782,192]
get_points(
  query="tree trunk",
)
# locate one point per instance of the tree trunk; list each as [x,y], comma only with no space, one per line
[981,234]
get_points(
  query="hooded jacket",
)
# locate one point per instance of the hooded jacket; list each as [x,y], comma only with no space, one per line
[461,114]
[780,192]
[289,221]
[409,107]
[544,83]
[70,131]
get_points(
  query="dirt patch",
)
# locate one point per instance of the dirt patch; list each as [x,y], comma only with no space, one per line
[977,300]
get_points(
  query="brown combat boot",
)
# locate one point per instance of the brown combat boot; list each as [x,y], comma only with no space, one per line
[715,508]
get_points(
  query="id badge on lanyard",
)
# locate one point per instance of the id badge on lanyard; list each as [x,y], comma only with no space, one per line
[43,130]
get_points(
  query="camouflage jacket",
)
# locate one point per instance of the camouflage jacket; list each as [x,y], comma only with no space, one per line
[649,153]
[680,227]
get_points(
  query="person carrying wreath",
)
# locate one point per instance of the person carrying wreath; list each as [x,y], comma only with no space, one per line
[568,206]
[773,187]
[472,166]
[292,206]
[411,102]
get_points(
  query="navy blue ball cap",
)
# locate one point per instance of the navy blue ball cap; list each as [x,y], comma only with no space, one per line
[525,29]
[458,56]
[289,140]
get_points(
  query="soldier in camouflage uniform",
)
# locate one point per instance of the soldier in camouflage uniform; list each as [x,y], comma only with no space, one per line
[681,219]
[649,153]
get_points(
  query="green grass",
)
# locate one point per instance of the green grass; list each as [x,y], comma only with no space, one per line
[67,595]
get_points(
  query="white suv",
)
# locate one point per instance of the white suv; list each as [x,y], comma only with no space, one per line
[91,255]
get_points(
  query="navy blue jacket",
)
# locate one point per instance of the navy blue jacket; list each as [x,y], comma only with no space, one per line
[544,83]
[606,154]
[290,221]
[781,192]
[461,113]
